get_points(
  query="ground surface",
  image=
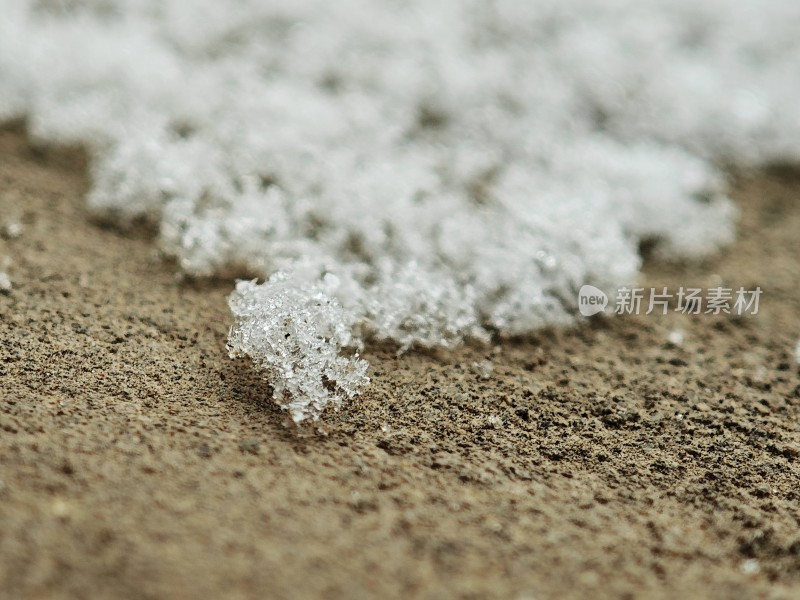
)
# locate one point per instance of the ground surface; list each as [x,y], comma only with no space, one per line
[137,461]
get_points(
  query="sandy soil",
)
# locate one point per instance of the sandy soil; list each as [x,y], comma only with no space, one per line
[137,461]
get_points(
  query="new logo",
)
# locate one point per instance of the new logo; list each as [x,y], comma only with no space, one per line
[591,300]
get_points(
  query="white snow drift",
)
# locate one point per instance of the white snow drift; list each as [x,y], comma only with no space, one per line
[418,171]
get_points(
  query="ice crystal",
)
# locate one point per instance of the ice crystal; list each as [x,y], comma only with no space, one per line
[676,338]
[483,369]
[295,333]
[437,170]
[11,230]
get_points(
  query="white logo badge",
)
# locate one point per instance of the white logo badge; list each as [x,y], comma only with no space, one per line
[591,300]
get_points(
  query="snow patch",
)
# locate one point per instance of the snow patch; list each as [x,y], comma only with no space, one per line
[417,172]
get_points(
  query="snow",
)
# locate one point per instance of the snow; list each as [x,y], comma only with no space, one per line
[420,172]
[676,338]
[296,335]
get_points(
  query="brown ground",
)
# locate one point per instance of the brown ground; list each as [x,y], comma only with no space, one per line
[137,461]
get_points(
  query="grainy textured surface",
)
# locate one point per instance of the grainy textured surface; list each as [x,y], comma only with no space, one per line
[137,461]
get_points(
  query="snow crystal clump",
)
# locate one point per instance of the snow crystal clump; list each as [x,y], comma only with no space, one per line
[295,334]
[421,172]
